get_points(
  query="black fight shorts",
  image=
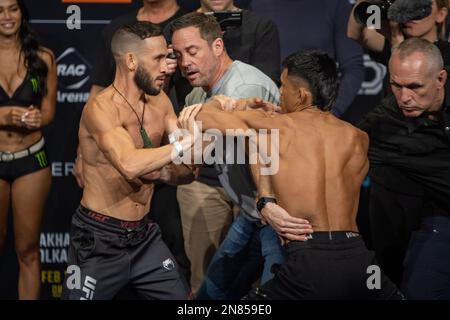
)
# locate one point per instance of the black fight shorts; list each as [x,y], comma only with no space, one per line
[108,254]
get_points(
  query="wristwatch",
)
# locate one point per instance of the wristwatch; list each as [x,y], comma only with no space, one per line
[263,201]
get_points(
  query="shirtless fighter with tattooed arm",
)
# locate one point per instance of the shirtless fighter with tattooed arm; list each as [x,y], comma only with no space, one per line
[322,163]
[113,243]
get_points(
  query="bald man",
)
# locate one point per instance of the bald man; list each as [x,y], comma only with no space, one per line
[113,243]
[410,134]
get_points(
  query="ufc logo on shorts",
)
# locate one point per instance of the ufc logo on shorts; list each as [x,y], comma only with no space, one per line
[88,288]
[74,282]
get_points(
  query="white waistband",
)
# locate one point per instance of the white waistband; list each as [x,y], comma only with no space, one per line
[8,156]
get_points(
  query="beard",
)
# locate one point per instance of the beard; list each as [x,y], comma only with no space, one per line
[144,82]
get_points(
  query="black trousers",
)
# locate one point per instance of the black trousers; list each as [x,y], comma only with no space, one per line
[332,265]
[107,255]
[393,217]
[427,263]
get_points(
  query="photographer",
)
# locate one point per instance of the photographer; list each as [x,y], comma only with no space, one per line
[380,42]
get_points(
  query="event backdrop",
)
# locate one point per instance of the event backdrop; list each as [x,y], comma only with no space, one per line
[74,49]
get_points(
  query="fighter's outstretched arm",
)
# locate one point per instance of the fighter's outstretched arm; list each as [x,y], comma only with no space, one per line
[175,174]
[212,116]
[114,141]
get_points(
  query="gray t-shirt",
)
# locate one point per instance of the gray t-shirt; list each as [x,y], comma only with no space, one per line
[241,80]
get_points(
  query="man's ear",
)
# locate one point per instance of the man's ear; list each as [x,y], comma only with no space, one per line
[442,78]
[131,61]
[218,47]
[442,14]
[305,97]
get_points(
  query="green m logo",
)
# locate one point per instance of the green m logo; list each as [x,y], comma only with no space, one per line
[34,83]
[41,158]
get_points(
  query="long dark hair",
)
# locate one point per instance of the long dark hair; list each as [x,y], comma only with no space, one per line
[36,67]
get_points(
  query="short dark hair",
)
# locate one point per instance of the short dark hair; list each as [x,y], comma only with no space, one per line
[143,29]
[320,73]
[208,26]
[129,36]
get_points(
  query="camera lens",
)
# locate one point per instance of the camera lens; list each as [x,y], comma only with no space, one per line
[362,12]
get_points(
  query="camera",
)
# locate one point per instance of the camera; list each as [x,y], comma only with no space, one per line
[401,11]
[362,14]
[227,19]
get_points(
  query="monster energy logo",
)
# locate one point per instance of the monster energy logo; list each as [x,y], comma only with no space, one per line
[34,83]
[41,158]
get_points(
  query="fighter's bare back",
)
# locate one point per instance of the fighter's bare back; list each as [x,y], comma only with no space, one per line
[323,162]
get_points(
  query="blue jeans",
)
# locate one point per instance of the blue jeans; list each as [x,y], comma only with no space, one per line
[247,253]
[427,263]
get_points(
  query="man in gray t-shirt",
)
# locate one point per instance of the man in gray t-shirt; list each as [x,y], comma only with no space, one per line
[240,80]
[207,206]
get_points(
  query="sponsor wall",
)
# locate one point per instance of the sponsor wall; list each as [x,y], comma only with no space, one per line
[74,49]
